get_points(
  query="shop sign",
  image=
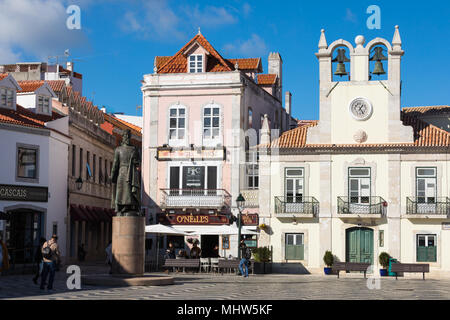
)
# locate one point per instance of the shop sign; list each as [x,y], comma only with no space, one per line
[198,219]
[250,219]
[23,193]
[195,154]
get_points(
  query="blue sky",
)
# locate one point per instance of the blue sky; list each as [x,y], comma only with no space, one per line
[119,39]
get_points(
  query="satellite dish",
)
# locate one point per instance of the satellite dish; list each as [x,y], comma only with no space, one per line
[66,52]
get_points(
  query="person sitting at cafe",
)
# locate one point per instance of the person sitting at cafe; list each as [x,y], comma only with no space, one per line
[170,251]
[195,251]
[181,254]
[215,252]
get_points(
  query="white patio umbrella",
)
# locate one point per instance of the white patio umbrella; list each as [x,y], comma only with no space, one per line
[160,229]
[228,230]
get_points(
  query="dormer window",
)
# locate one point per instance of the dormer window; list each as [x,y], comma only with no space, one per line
[195,63]
[43,104]
[6,98]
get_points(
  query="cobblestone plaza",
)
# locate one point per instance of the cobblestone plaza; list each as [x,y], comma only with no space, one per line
[195,286]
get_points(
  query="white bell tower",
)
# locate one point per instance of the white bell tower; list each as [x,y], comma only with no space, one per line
[360,109]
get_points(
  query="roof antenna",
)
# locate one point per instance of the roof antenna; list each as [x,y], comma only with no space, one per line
[199,32]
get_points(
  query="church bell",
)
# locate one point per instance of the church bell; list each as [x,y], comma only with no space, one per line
[378,57]
[340,59]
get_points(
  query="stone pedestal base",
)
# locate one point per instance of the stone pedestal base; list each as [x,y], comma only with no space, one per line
[128,245]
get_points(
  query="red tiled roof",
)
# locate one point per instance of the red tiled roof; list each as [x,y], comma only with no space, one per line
[161,60]
[3,76]
[427,110]
[425,135]
[24,117]
[247,63]
[56,85]
[267,79]
[178,62]
[30,85]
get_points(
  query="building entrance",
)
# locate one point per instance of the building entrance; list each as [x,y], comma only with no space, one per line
[207,245]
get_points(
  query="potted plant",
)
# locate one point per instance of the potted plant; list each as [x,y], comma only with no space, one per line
[384,262]
[328,259]
[262,264]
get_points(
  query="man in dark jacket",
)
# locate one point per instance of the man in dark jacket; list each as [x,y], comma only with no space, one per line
[38,260]
[246,254]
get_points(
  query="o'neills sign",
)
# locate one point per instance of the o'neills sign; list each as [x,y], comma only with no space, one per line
[23,193]
[193,219]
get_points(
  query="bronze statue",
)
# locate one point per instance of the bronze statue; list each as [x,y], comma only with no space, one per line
[126,179]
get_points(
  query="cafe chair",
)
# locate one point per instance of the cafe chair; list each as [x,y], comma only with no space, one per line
[204,264]
[215,264]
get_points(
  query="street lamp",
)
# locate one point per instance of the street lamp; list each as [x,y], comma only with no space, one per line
[240,205]
[79,183]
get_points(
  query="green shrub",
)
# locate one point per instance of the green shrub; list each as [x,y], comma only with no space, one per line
[384,259]
[262,254]
[328,258]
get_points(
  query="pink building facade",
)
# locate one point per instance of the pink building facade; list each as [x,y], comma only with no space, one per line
[202,114]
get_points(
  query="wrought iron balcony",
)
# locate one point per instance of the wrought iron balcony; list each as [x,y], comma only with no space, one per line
[432,206]
[195,198]
[304,205]
[361,205]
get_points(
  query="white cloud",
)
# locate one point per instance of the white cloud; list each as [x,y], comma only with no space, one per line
[35,28]
[246,9]
[253,47]
[159,19]
[350,16]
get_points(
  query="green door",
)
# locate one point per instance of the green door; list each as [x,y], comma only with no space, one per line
[359,245]
[294,246]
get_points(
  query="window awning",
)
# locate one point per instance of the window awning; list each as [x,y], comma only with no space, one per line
[91,214]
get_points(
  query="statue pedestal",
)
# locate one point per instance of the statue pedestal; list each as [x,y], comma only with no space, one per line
[128,245]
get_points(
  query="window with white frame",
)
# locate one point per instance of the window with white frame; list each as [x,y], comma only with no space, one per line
[294,185]
[359,185]
[6,97]
[177,123]
[211,122]
[426,185]
[195,63]
[44,104]
[27,162]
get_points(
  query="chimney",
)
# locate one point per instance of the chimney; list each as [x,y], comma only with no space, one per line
[69,66]
[275,67]
[288,102]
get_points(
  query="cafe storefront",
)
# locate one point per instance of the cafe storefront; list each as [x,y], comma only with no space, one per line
[25,209]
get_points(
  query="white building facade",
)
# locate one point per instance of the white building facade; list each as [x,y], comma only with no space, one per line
[33,177]
[367,177]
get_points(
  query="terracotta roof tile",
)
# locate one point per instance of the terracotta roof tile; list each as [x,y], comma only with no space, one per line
[161,60]
[427,110]
[24,117]
[178,62]
[247,63]
[30,85]
[267,79]
[3,76]
[425,135]
[56,85]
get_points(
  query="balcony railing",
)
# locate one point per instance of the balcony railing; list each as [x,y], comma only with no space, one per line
[304,205]
[361,205]
[420,205]
[195,198]
[251,198]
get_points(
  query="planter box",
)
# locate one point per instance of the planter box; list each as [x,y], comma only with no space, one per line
[262,267]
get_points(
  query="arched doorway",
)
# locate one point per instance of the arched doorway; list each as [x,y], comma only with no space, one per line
[359,245]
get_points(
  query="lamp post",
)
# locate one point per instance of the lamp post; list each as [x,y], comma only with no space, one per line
[240,204]
[79,183]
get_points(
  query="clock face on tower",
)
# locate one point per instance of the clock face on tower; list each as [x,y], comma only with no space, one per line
[360,109]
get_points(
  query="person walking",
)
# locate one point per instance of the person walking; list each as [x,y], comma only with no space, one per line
[109,256]
[246,254]
[4,256]
[51,257]
[38,260]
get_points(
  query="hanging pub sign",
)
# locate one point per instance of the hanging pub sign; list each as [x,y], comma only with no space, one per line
[198,219]
[249,219]
[23,193]
[167,154]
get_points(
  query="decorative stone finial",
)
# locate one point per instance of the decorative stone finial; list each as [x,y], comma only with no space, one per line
[155,69]
[359,40]
[396,40]
[199,32]
[322,41]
